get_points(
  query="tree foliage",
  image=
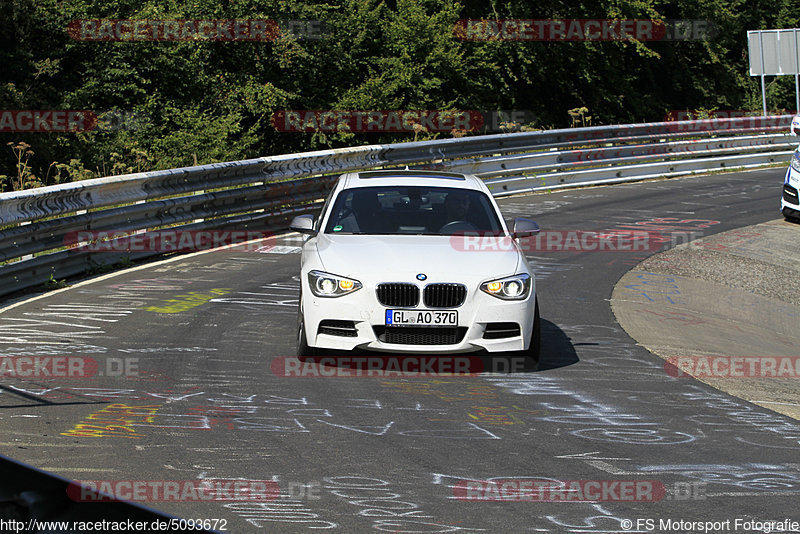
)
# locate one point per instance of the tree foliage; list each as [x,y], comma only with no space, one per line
[178,103]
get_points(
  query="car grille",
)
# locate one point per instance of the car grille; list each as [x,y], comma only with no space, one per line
[790,194]
[420,335]
[444,295]
[398,294]
[334,327]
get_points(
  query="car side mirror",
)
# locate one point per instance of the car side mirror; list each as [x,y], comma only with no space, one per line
[303,224]
[524,228]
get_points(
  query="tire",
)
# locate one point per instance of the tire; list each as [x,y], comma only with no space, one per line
[302,349]
[535,348]
[791,215]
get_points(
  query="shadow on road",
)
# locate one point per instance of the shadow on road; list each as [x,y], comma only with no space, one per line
[557,349]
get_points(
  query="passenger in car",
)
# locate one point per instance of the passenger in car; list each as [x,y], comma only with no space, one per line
[364,216]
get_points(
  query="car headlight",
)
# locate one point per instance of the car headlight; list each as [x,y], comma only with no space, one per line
[330,285]
[796,161]
[515,287]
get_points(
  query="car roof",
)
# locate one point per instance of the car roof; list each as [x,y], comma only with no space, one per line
[412,177]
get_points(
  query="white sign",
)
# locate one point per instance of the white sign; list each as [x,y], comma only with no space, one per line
[774,52]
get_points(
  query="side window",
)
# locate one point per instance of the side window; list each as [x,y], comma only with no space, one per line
[325,206]
[340,210]
[486,217]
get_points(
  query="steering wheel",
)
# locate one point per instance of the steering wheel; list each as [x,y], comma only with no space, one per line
[457,226]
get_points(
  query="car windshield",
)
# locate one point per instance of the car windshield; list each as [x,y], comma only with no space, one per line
[390,210]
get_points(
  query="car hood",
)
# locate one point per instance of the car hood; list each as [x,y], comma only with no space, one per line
[400,257]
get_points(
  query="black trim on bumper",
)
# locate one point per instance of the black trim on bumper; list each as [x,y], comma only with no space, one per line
[790,194]
[420,335]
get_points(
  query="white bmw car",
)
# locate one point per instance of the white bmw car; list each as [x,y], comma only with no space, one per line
[415,261]
[790,199]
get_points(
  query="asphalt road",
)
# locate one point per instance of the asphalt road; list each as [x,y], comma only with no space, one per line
[199,335]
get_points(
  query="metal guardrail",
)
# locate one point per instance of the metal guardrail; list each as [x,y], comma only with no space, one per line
[37,501]
[263,194]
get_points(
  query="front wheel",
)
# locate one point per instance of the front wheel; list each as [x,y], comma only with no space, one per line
[791,215]
[303,350]
[534,350]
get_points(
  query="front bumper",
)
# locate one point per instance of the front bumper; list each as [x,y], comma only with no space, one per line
[790,197]
[357,321]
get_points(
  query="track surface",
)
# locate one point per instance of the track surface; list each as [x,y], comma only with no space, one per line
[387,454]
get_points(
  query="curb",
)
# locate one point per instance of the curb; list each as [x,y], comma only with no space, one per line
[733,294]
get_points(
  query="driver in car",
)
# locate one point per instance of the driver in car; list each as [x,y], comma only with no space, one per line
[456,207]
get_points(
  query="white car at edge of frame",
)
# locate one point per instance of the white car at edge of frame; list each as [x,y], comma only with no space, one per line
[790,199]
[415,262]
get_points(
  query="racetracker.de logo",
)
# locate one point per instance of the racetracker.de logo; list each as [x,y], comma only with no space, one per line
[564,241]
[376,120]
[733,366]
[725,119]
[173,490]
[549,490]
[169,240]
[47,120]
[194,30]
[405,366]
[583,30]
[41,367]
[46,367]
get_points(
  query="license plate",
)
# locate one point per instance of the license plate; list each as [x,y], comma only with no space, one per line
[421,318]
